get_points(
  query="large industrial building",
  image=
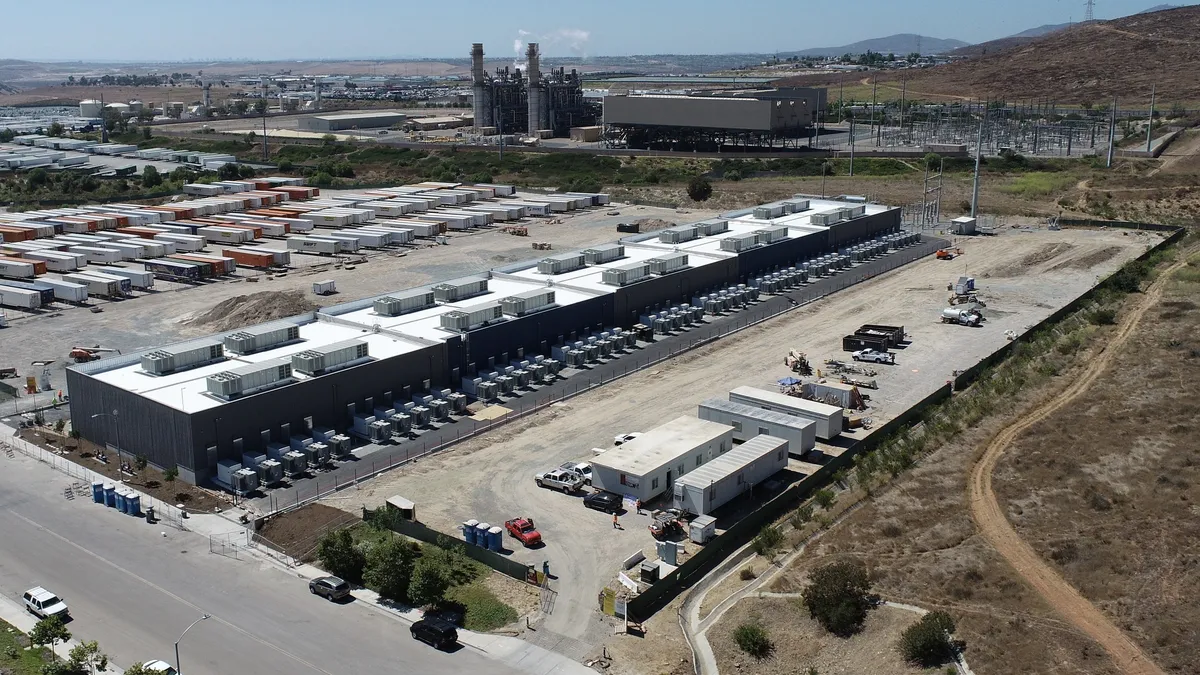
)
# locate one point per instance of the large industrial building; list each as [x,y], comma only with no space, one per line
[345,121]
[510,102]
[251,390]
[767,118]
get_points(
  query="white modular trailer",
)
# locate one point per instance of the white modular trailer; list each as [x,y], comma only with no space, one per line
[250,378]
[101,288]
[183,356]
[497,189]
[137,278]
[66,291]
[399,235]
[19,297]
[344,243]
[327,218]
[497,211]
[649,465]
[532,209]
[596,198]
[296,225]
[420,204]
[203,190]
[182,242]
[57,261]
[453,221]
[556,205]
[365,239]
[734,473]
[749,421]
[828,418]
[420,228]
[388,209]
[313,245]
[96,254]
[126,285]
[403,303]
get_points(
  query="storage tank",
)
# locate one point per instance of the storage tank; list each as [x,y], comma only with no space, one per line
[90,108]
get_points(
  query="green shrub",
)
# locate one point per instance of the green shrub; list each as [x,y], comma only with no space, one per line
[838,597]
[482,610]
[928,642]
[340,557]
[751,637]
[767,540]
[1102,316]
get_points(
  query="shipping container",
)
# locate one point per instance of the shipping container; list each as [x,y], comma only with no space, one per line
[97,287]
[13,268]
[67,291]
[173,271]
[221,264]
[282,257]
[57,261]
[137,278]
[45,291]
[19,297]
[183,242]
[126,285]
[208,269]
[250,258]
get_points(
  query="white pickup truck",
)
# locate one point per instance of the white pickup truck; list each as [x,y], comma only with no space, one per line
[559,479]
[874,356]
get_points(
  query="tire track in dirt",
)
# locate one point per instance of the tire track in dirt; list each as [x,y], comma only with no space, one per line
[989,515]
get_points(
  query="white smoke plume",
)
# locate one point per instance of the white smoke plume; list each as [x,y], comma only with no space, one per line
[575,39]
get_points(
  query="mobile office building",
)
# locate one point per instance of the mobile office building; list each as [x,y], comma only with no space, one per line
[650,464]
[749,421]
[827,417]
[730,475]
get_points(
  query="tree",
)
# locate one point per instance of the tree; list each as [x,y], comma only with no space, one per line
[228,172]
[824,498]
[87,658]
[60,425]
[928,642]
[147,133]
[240,107]
[838,597]
[699,189]
[151,177]
[429,583]
[339,555]
[55,129]
[932,160]
[38,177]
[171,474]
[140,462]
[390,568]
[49,631]
[137,669]
[329,139]
[245,171]
[260,106]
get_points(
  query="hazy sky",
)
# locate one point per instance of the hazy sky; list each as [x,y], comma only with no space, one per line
[311,29]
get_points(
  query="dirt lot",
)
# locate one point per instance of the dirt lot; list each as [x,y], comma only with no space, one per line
[1116,515]
[491,476]
[806,645]
[164,314]
[297,532]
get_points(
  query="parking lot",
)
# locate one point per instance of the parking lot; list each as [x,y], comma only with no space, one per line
[1023,276]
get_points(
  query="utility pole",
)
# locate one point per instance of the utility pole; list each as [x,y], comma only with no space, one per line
[1150,122]
[978,163]
[874,88]
[903,98]
[852,144]
[1112,133]
[266,153]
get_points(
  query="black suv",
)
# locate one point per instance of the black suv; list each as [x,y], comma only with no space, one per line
[332,588]
[438,633]
[603,501]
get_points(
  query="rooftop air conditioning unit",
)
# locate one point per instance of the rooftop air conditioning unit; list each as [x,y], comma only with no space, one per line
[182,356]
[403,303]
[260,338]
[326,358]
[250,378]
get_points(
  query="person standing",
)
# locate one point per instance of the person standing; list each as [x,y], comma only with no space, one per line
[616,525]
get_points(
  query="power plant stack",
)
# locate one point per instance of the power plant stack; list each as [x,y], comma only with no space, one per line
[538,114]
[207,96]
[483,97]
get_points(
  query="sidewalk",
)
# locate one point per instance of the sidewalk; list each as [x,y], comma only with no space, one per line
[14,613]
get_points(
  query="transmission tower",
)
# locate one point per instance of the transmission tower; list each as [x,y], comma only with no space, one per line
[1090,13]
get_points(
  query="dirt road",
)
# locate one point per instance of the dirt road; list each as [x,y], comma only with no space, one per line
[992,523]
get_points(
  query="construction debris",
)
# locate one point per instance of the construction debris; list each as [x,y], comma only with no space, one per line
[839,367]
[541,246]
[516,231]
[798,363]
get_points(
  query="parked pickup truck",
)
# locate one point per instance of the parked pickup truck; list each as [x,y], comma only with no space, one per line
[559,480]
[874,356]
[522,530]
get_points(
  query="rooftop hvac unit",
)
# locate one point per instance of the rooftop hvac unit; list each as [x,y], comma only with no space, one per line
[798,205]
[625,274]
[249,379]
[244,481]
[826,219]
[182,356]
[855,211]
[468,317]
[294,463]
[739,243]
[678,235]
[260,338]
[770,235]
[560,264]
[601,254]
[668,263]
[270,472]
[403,303]
[528,301]
[323,359]
[768,212]
[714,226]
[460,289]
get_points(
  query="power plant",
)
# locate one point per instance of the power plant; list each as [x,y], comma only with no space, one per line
[510,101]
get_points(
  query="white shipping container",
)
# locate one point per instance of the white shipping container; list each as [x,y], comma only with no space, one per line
[137,278]
[16,270]
[344,244]
[19,297]
[312,245]
[67,291]
[102,288]
[97,255]
[225,235]
[182,242]
[57,261]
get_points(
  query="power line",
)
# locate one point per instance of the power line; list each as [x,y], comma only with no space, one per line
[1090,13]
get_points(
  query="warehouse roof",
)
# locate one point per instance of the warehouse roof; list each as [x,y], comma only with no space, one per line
[662,445]
[733,461]
[359,115]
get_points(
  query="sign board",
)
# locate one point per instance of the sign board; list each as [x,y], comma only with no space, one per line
[608,599]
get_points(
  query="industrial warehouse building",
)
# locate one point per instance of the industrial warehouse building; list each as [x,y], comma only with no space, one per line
[650,464]
[231,394]
[346,121]
[734,473]
[749,421]
[762,118]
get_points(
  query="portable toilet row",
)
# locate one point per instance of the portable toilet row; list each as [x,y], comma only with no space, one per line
[125,501]
[484,535]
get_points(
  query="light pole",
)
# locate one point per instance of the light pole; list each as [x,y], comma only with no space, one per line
[185,630]
[116,425]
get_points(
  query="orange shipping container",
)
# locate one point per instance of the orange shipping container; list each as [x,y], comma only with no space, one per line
[249,258]
[11,234]
[39,266]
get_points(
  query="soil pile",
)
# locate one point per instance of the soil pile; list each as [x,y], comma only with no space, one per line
[246,310]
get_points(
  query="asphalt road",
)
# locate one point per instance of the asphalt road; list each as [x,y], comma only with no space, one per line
[134,591]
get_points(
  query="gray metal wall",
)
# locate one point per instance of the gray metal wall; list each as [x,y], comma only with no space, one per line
[698,112]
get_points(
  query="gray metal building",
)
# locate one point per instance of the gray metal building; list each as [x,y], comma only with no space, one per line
[345,121]
[749,421]
[736,472]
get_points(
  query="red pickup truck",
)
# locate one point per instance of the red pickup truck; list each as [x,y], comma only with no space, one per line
[523,530]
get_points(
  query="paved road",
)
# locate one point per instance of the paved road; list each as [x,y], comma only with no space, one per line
[594,376]
[134,590]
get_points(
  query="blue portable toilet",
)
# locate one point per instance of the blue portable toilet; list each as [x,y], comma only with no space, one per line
[481,534]
[133,504]
[495,538]
[98,491]
[110,495]
[120,500]
[469,530]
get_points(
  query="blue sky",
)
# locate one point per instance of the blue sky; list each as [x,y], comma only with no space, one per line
[312,29]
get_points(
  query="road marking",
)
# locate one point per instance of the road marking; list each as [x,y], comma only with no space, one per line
[164,591]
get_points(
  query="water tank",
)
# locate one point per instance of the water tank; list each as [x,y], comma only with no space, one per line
[90,108]
[469,530]
[495,538]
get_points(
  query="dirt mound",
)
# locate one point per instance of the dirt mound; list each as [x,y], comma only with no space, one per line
[651,224]
[1089,260]
[246,310]
[1043,255]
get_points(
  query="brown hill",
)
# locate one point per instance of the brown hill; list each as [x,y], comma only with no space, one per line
[1083,64]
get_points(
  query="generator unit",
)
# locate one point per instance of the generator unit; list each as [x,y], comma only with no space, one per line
[260,338]
[249,379]
[294,463]
[403,303]
[244,481]
[182,356]
[460,289]
[327,358]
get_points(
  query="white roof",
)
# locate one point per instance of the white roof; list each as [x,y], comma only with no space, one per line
[662,445]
